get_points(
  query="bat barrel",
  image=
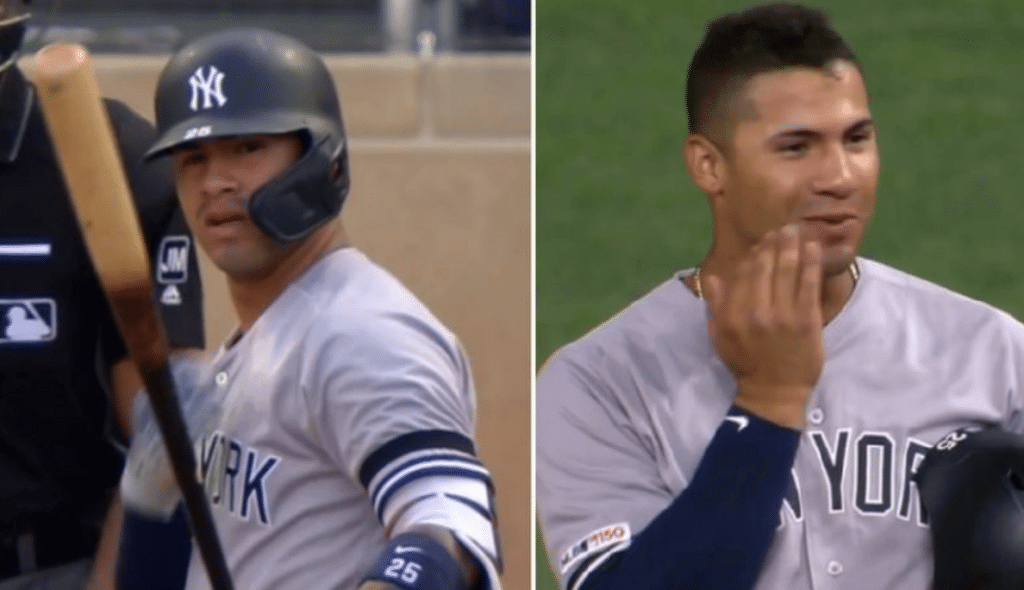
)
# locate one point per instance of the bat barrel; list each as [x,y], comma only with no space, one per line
[83,139]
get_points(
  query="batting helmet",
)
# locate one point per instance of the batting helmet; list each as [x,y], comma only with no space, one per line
[253,81]
[972,487]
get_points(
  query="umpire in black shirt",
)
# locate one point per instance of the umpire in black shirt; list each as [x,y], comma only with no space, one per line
[66,386]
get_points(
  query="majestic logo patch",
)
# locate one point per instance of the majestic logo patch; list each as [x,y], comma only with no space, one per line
[172,260]
[171,296]
[27,320]
[603,537]
[209,86]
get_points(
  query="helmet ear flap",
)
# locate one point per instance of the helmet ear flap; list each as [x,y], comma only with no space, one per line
[250,81]
[301,199]
[339,173]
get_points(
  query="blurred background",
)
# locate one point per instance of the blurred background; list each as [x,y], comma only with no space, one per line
[617,212]
[436,97]
[159,26]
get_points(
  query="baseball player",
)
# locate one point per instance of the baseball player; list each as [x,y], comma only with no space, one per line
[66,383]
[336,443]
[755,422]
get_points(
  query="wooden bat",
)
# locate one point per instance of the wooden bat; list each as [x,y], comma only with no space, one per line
[83,138]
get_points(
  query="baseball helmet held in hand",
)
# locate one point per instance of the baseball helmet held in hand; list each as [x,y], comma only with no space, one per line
[251,81]
[972,486]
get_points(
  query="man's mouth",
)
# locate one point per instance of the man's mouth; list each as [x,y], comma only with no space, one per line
[224,218]
[831,218]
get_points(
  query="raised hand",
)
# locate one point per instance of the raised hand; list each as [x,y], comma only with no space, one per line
[766,323]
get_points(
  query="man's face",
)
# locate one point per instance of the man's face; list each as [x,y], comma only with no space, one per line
[215,179]
[808,155]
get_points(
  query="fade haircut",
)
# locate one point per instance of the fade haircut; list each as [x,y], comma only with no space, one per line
[759,40]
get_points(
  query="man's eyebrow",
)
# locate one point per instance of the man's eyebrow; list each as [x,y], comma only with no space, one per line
[810,132]
[862,124]
[796,133]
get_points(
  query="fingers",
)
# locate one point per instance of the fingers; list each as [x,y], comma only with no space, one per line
[809,291]
[778,281]
[797,280]
[777,285]
[772,274]
[787,269]
[765,323]
[759,299]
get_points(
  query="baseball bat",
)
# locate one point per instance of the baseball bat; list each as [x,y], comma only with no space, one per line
[83,139]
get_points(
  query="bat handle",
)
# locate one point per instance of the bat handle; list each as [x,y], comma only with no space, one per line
[167,411]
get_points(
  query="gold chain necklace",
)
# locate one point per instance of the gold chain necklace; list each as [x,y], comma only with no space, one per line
[698,286]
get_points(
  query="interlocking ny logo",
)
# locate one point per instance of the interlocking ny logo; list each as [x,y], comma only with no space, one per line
[209,86]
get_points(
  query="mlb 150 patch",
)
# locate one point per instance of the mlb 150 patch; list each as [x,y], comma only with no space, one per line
[27,320]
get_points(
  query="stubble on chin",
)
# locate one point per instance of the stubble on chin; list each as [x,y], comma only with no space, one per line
[239,262]
[837,261]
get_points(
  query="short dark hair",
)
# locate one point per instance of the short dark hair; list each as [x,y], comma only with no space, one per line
[758,40]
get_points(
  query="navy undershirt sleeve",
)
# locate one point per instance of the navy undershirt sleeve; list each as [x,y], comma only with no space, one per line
[716,533]
[154,554]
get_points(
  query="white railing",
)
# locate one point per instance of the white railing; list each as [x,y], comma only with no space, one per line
[420,26]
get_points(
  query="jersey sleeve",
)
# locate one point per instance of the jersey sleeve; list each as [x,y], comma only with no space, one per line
[1013,332]
[176,282]
[610,522]
[390,377]
[398,414]
[597,483]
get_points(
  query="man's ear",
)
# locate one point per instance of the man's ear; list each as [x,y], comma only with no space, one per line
[706,163]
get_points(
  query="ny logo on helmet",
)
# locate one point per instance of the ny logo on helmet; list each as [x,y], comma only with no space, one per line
[209,86]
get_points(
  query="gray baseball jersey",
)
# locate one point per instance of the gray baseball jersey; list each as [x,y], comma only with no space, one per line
[624,415]
[342,364]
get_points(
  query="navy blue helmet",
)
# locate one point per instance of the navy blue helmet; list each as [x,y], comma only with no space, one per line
[253,81]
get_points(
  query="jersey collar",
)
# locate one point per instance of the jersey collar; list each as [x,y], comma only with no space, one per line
[16,99]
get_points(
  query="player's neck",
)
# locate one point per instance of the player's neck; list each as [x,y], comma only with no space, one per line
[835,292]
[252,296]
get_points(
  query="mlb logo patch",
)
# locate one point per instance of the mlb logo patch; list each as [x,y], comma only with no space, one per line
[27,320]
[609,535]
[172,260]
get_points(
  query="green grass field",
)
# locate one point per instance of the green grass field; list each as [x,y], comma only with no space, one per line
[617,212]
